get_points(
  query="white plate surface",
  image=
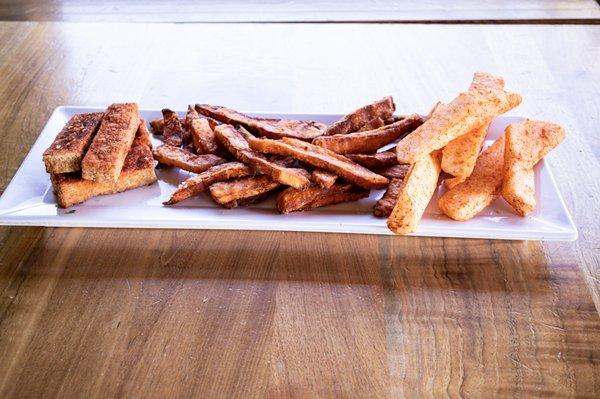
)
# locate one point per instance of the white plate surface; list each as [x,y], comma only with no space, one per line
[28,200]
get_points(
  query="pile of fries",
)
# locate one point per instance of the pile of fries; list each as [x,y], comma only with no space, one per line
[240,160]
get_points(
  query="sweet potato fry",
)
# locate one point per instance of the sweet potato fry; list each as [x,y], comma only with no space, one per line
[174,156]
[419,185]
[202,133]
[384,206]
[480,189]
[373,124]
[394,171]
[242,191]
[272,128]
[292,200]
[527,143]
[355,120]
[158,125]
[322,178]
[235,143]
[377,160]
[459,155]
[484,100]
[322,158]
[173,132]
[369,141]
[197,184]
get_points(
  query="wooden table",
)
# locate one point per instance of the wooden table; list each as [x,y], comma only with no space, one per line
[151,313]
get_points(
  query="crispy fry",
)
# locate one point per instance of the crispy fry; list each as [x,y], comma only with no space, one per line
[323,178]
[292,200]
[242,191]
[235,143]
[108,150]
[174,156]
[352,122]
[272,128]
[197,184]
[419,185]
[158,125]
[173,131]
[373,124]
[459,155]
[480,189]
[68,148]
[377,160]
[527,143]
[484,100]
[202,133]
[369,141]
[384,206]
[322,158]
[394,171]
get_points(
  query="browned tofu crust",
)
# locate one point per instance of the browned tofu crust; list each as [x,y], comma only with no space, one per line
[138,170]
[66,151]
[106,155]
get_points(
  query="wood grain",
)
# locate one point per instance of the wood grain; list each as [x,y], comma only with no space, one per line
[150,313]
[507,11]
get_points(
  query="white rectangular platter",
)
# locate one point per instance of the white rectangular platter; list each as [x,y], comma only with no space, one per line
[28,201]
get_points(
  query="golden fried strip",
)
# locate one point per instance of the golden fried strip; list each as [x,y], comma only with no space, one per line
[459,155]
[527,143]
[242,191]
[384,206]
[484,100]
[480,189]
[369,141]
[202,133]
[419,185]
[273,128]
[173,131]
[106,155]
[292,200]
[68,148]
[322,158]
[355,120]
[235,143]
[377,160]
[323,178]
[197,184]
[174,156]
